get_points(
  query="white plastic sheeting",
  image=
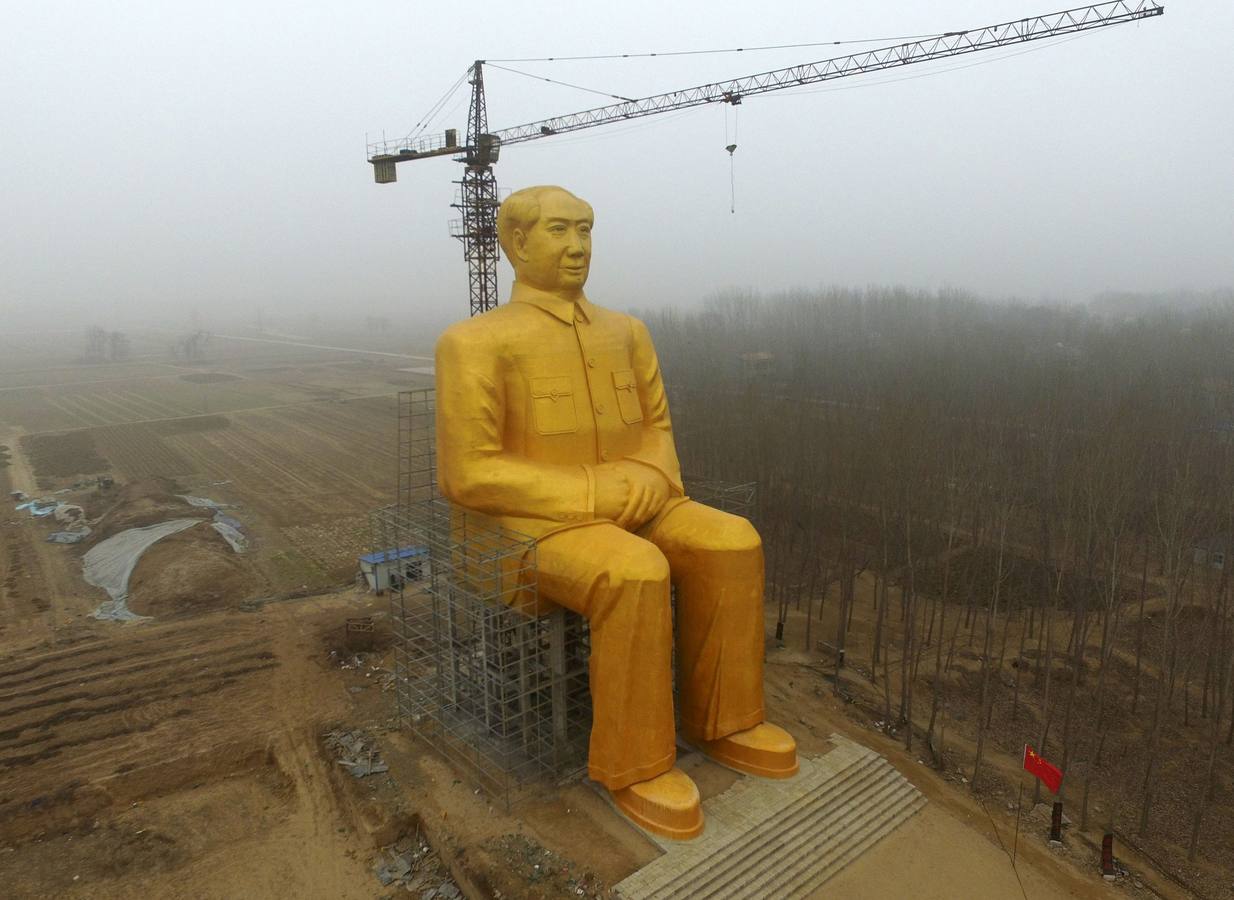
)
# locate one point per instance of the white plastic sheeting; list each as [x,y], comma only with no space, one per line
[110,564]
[232,535]
[203,502]
[231,529]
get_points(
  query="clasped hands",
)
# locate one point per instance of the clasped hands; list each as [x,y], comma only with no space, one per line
[629,493]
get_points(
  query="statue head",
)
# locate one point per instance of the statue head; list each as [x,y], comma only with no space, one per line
[545,232]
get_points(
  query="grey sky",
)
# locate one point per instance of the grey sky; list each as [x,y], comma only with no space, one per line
[161,157]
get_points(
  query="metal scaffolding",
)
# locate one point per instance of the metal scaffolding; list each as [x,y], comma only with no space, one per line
[481,673]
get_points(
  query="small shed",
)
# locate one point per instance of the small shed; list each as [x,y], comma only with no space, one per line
[381,567]
[1214,551]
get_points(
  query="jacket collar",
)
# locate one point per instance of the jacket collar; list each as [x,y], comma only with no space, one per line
[556,306]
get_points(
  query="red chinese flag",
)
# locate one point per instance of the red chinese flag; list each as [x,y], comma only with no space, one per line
[1034,763]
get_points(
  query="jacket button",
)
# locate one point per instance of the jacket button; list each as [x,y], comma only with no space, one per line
[591,362]
[600,408]
[604,455]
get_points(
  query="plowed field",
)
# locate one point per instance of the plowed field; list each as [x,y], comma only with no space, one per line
[177,760]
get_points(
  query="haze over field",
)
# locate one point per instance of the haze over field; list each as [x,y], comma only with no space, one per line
[158,160]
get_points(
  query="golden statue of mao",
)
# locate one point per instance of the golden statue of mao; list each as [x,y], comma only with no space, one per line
[552,419]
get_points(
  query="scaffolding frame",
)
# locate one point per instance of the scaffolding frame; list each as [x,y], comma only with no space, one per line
[481,675]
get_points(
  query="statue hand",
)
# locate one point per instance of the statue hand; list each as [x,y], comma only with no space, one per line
[648,492]
[612,491]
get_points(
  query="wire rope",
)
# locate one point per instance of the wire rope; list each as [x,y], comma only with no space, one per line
[656,53]
[427,118]
[577,87]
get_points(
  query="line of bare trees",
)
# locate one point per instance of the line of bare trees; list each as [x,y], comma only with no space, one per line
[106,346]
[1040,502]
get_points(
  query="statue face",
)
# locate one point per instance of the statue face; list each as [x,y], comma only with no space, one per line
[555,253]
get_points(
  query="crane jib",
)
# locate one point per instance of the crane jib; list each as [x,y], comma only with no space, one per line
[952,43]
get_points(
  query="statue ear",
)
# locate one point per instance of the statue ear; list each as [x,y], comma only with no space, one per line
[519,240]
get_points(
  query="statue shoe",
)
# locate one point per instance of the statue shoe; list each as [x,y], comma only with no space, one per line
[766,750]
[667,805]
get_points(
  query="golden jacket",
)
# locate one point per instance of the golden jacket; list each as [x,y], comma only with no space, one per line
[533,395]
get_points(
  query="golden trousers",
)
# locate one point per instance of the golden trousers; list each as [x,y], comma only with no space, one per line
[620,582]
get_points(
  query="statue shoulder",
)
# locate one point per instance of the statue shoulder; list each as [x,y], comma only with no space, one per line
[484,342]
[478,332]
[616,317]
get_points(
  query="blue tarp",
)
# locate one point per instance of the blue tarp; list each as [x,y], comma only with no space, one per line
[39,511]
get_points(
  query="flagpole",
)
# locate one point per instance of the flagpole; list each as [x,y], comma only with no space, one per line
[1016,842]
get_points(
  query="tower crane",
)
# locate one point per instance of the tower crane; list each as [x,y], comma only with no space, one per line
[478,198]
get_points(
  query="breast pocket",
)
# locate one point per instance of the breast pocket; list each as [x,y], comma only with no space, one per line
[627,396]
[552,400]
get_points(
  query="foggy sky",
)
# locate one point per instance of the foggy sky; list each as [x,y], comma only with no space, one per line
[159,158]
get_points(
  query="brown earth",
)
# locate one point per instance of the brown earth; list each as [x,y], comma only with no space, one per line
[136,505]
[191,572]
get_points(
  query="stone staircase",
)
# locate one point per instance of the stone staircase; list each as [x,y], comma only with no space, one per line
[783,839]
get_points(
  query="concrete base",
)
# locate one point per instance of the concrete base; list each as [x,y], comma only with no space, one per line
[782,838]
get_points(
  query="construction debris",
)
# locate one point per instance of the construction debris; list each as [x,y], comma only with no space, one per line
[357,753]
[412,863]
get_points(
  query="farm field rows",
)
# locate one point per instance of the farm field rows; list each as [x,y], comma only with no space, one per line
[301,444]
[12,378]
[53,408]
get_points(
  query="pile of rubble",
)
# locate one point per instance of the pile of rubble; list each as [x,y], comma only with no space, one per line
[356,751]
[411,863]
[364,662]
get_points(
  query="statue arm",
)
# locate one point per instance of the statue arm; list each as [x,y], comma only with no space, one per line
[473,468]
[656,448]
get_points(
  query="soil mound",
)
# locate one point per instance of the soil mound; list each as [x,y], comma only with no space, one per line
[192,571]
[137,504]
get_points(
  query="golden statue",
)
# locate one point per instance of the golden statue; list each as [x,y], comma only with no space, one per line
[552,419]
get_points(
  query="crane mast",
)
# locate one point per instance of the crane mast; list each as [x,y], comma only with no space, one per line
[477,200]
[478,197]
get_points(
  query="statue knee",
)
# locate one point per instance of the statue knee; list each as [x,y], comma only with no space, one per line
[635,586]
[729,533]
[744,536]
[645,565]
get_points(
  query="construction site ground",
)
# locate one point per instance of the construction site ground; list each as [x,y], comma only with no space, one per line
[189,755]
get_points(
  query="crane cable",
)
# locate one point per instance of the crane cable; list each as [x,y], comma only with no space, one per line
[577,87]
[436,108]
[902,37]
[731,146]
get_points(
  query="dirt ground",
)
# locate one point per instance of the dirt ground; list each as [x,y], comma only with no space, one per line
[187,755]
[186,759]
[1119,777]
